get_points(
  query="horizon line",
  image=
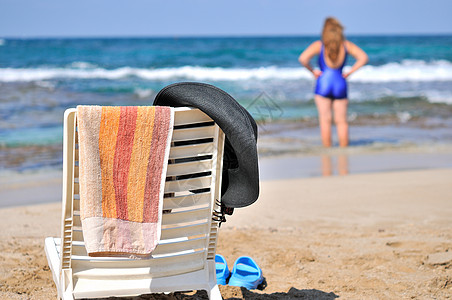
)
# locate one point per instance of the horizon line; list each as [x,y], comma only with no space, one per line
[176,36]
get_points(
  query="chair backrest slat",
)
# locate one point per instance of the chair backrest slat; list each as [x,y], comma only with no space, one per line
[191,189]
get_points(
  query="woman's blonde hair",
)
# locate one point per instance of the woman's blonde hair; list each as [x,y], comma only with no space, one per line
[332,37]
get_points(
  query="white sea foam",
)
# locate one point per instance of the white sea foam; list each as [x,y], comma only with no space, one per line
[407,70]
[436,96]
[2,42]
[143,93]
[46,84]
[403,116]
[82,65]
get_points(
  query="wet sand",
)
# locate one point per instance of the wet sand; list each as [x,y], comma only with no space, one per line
[362,236]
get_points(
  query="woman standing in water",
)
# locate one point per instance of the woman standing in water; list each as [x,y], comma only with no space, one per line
[331,86]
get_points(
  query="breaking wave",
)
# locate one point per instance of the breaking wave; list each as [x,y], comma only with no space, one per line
[407,70]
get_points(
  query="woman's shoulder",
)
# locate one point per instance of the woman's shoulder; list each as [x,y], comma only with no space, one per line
[351,47]
[348,44]
[316,45]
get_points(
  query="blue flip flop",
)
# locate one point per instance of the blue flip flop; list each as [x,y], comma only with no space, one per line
[246,273]
[222,270]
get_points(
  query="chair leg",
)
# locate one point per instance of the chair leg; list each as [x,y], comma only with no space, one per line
[214,293]
[67,284]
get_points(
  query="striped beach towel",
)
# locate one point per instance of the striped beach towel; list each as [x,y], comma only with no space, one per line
[123,157]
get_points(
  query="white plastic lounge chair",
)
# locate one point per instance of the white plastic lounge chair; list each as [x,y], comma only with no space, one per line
[185,258]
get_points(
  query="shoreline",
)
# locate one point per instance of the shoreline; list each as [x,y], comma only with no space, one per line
[332,162]
[362,236]
[44,186]
[276,139]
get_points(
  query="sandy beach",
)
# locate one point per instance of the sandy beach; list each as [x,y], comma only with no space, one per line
[372,220]
[361,236]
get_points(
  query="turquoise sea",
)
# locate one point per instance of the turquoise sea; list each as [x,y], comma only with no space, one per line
[403,97]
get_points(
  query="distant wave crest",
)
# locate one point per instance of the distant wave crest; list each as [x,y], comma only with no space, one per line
[407,70]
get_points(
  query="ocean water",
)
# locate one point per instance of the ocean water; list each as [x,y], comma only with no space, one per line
[402,97]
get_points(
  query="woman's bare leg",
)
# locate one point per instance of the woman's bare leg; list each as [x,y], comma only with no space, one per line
[340,119]
[324,106]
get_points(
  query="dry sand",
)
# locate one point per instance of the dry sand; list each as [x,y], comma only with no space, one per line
[368,236]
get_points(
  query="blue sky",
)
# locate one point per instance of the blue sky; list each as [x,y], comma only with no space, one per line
[48,18]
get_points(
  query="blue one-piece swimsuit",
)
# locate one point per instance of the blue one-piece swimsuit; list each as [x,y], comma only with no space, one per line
[331,84]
